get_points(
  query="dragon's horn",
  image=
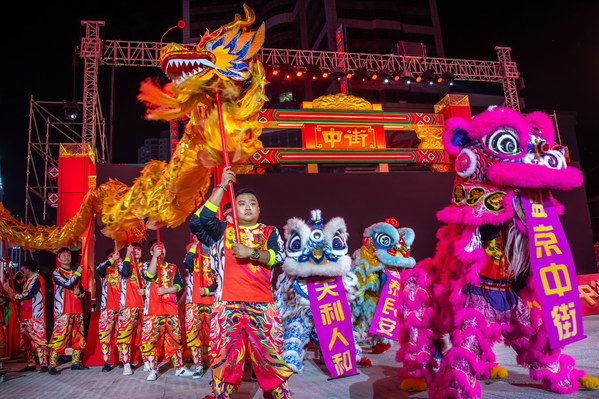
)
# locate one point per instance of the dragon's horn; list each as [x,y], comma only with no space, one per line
[250,17]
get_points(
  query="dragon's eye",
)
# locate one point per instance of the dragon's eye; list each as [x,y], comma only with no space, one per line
[503,141]
[294,244]
[383,240]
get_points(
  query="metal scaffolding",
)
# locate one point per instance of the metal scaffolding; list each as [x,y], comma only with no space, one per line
[503,71]
[95,52]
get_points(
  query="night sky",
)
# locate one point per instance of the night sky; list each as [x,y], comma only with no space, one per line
[556,49]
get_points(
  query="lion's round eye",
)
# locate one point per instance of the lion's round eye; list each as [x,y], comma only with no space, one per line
[383,240]
[294,244]
[504,141]
[339,244]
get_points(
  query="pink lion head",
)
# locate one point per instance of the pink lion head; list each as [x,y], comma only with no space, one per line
[503,147]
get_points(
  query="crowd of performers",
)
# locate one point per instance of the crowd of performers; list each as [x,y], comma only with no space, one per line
[228,310]
[232,316]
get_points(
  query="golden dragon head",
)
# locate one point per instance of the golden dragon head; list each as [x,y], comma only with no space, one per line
[224,52]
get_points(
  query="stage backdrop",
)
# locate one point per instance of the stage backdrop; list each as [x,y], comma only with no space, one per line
[412,197]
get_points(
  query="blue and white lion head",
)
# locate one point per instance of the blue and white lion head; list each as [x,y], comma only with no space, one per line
[389,243]
[316,249]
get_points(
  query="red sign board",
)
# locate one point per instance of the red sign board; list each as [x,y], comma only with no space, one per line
[335,137]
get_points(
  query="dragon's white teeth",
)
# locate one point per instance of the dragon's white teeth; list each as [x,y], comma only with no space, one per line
[177,62]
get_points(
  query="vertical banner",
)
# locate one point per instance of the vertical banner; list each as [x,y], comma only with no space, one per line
[333,322]
[340,42]
[553,270]
[385,320]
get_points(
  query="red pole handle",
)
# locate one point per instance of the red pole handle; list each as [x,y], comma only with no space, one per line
[221,125]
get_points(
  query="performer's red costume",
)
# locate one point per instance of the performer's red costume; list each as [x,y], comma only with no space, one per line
[32,310]
[109,307]
[198,308]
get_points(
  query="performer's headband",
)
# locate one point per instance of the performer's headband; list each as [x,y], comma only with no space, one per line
[61,250]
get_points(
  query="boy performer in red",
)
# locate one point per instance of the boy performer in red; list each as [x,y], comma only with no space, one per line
[68,317]
[245,321]
[161,316]
[131,304]
[109,307]
[32,311]
[198,307]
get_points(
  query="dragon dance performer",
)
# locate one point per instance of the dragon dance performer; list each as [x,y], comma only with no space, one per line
[131,304]
[161,316]
[109,307]
[68,317]
[32,311]
[201,285]
[245,321]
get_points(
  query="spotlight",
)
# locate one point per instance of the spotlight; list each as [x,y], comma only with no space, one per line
[374,76]
[286,71]
[325,74]
[71,110]
[362,74]
[337,73]
[299,73]
[349,75]
[418,79]
[275,72]
[448,77]
[408,77]
[428,76]
[385,76]
[313,72]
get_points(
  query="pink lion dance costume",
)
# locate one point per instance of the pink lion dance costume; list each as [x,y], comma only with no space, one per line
[478,288]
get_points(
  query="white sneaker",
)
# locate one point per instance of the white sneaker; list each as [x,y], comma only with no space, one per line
[199,372]
[146,366]
[152,376]
[184,372]
[127,369]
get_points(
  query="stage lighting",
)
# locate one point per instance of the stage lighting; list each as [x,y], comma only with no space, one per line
[313,72]
[428,76]
[299,73]
[385,76]
[337,73]
[325,74]
[407,77]
[71,110]
[362,74]
[275,72]
[448,78]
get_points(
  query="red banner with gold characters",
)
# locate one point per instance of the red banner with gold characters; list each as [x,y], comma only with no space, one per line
[553,270]
[333,322]
[385,320]
[342,136]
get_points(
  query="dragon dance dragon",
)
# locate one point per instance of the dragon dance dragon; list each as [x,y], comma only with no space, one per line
[166,193]
[478,289]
